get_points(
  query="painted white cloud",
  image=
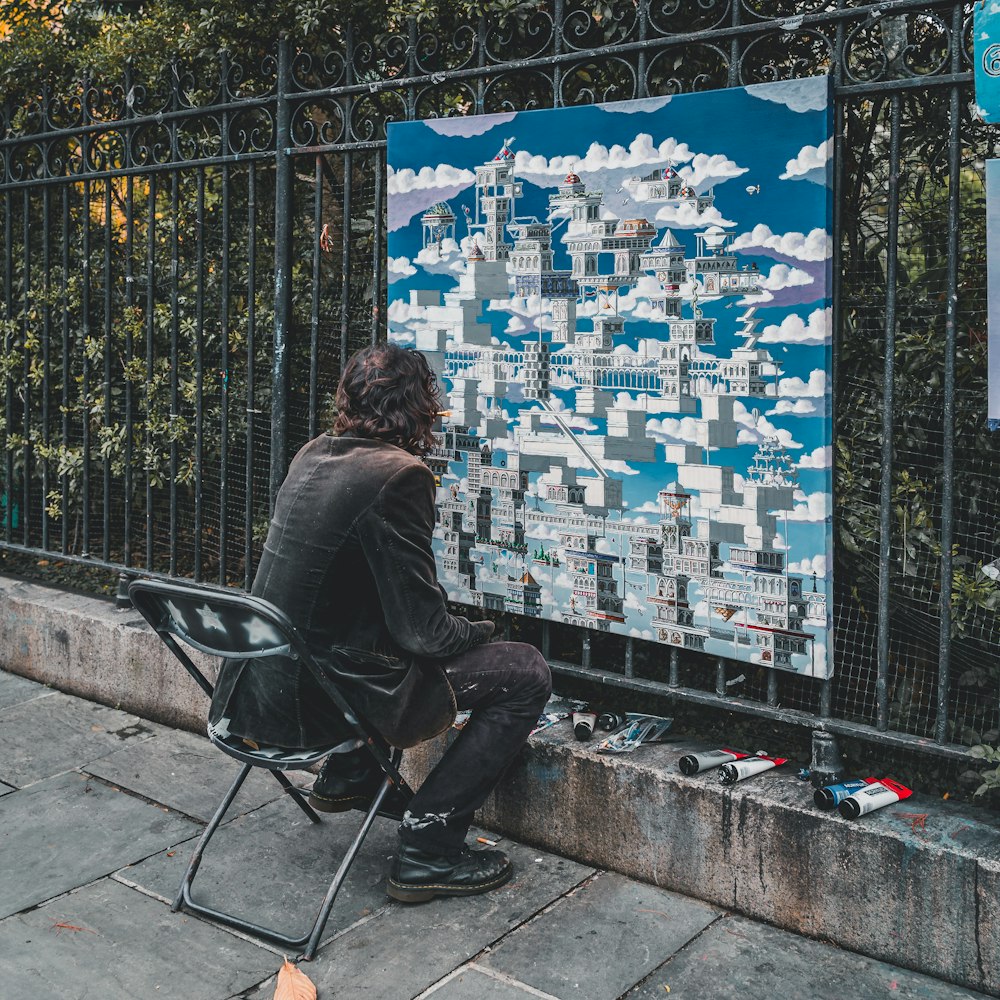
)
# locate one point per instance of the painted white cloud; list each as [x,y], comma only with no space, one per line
[809,565]
[399,268]
[793,329]
[687,216]
[708,169]
[474,125]
[818,458]
[641,152]
[809,506]
[785,276]
[794,386]
[412,192]
[449,258]
[809,164]
[807,94]
[616,169]
[754,432]
[618,465]
[673,430]
[788,408]
[814,245]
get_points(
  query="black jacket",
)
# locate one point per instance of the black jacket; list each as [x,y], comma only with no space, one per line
[348,558]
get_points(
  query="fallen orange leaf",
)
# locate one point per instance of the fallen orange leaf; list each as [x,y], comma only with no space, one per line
[293,984]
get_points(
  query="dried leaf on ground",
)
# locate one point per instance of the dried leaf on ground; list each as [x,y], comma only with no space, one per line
[293,984]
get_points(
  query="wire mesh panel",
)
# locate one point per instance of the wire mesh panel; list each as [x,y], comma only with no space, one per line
[186,262]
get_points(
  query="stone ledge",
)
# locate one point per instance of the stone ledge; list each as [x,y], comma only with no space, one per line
[922,893]
[925,895]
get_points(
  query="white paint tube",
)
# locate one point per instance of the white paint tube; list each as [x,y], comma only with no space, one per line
[693,763]
[729,774]
[876,796]
[583,724]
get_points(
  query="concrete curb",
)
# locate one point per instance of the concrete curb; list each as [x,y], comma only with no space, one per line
[85,646]
[917,884]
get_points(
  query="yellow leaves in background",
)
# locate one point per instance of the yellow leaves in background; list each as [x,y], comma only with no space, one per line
[98,203]
[293,984]
[17,11]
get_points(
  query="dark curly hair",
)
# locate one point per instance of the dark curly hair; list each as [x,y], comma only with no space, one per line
[389,394]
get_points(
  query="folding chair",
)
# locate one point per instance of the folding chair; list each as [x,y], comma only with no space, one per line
[238,626]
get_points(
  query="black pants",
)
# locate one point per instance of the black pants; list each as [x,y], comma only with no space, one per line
[506,686]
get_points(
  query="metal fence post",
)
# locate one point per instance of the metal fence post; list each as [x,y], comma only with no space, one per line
[282,271]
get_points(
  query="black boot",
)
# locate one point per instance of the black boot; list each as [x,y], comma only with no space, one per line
[350,781]
[417,876]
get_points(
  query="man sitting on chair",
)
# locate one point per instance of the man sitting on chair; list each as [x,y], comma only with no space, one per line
[348,558]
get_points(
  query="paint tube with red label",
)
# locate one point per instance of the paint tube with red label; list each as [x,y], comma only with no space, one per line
[830,796]
[693,763]
[729,774]
[878,794]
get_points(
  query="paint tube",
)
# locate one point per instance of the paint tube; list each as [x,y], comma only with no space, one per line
[877,795]
[693,763]
[583,724]
[830,796]
[729,774]
[610,721]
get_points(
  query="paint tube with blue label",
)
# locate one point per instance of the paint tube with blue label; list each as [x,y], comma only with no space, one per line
[729,774]
[694,763]
[830,796]
[877,795]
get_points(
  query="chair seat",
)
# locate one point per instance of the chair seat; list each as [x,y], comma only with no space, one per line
[272,757]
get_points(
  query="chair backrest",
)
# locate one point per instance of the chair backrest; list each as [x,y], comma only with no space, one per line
[229,625]
[235,625]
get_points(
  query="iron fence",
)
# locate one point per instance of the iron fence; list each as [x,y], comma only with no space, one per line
[186,262]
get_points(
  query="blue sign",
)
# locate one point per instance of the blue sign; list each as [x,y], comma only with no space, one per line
[986,30]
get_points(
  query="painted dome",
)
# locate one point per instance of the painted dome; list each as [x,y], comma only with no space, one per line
[442,210]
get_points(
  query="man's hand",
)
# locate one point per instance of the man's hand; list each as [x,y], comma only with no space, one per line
[481,632]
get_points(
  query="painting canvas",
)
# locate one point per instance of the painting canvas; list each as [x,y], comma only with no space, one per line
[628,308]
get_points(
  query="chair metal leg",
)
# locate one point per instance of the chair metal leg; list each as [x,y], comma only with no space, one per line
[345,866]
[310,939]
[184,893]
[297,796]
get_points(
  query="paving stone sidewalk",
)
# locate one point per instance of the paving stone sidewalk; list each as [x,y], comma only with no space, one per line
[98,811]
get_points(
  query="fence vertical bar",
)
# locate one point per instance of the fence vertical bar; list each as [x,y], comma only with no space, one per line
[251,347]
[85,338]
[378,222]
[175,397]
[108,306]
[642,64]
[150,330]
[64,394]
[8,382]
[224,369]
[888,400]
[199,370]
[46,354]
[345,261]
[224,376]
[129,358]
[314,311]
[557,47]
[948,388]
[282,272]
[26,396]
